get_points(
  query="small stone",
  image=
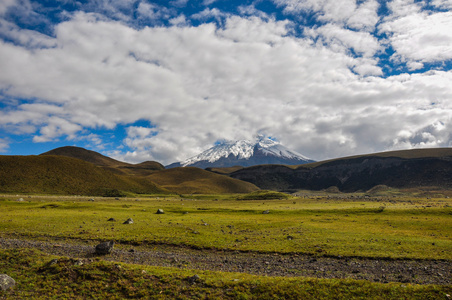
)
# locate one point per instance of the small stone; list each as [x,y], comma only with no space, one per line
[289,237]
[53,262]
[266,212]
[92,199]
[160,211]
[104,248]
[6,282]
[20,200]
[79,262]
[193,278]
[111,220]
[128,221]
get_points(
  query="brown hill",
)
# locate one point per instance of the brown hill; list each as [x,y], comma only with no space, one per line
[400,169]
[51,174]
[107,163]
[190,180]
[224,171]
[405,154]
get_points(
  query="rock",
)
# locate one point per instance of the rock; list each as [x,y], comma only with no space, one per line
[78,262]
[20,200]
[104,248]
[266,212]
[128,221]
[193,278]
[92,199]
[112,220]
[6,282]
[160,211]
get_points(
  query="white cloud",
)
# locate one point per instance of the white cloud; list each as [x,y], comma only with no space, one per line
[201,84]
[362,43]
[420,37]
[442,4]
[179,21]
[209,13]
[208,2]
[355,14]
[4,145]
[6,4]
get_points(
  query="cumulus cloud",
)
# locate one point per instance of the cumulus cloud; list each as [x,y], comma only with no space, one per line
[322,94]
[356,15]
[418,36]
[337,37]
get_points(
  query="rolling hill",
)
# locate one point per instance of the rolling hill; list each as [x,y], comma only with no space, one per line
[191,180]
[52,174]
[400,169]
[118,167]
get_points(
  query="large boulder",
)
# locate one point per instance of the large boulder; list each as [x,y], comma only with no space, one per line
[104,248]
[6,282]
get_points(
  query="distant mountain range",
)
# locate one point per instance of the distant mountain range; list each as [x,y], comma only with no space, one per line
[244,153]
[77,171]
[416,168]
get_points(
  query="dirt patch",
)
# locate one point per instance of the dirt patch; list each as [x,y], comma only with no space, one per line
[270,264]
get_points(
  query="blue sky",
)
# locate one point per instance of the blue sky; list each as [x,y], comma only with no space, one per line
[164,80]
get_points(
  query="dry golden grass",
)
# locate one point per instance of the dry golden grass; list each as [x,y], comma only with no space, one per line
[194,180]
[49,174]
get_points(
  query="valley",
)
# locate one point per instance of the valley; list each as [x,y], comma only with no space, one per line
[350,240]
[374,227]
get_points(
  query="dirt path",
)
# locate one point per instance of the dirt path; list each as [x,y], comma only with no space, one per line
[289,265]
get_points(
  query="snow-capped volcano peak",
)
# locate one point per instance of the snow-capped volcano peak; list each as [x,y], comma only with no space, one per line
[245,153]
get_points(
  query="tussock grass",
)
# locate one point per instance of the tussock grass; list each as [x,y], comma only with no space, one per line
[37,278]
[402,228]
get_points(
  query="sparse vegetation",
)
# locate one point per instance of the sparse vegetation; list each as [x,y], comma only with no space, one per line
[65,279]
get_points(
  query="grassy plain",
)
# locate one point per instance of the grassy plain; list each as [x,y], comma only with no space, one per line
[403,227]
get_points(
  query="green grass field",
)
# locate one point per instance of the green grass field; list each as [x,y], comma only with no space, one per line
[391,228]
[403,227]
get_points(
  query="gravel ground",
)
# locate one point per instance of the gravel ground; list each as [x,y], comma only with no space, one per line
[273,264]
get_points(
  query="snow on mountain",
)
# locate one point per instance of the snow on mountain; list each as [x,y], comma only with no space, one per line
[245,153]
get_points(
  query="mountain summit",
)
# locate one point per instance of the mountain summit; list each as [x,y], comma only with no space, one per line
[244,153]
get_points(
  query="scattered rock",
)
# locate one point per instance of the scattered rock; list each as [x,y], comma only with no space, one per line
[128,221]
[112,220]
[104,248]
[193,279]
[266,212]
[92,199]
[160,211]
[78,262]
[6,282]
[20,200]
[289,237]
[53,262]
